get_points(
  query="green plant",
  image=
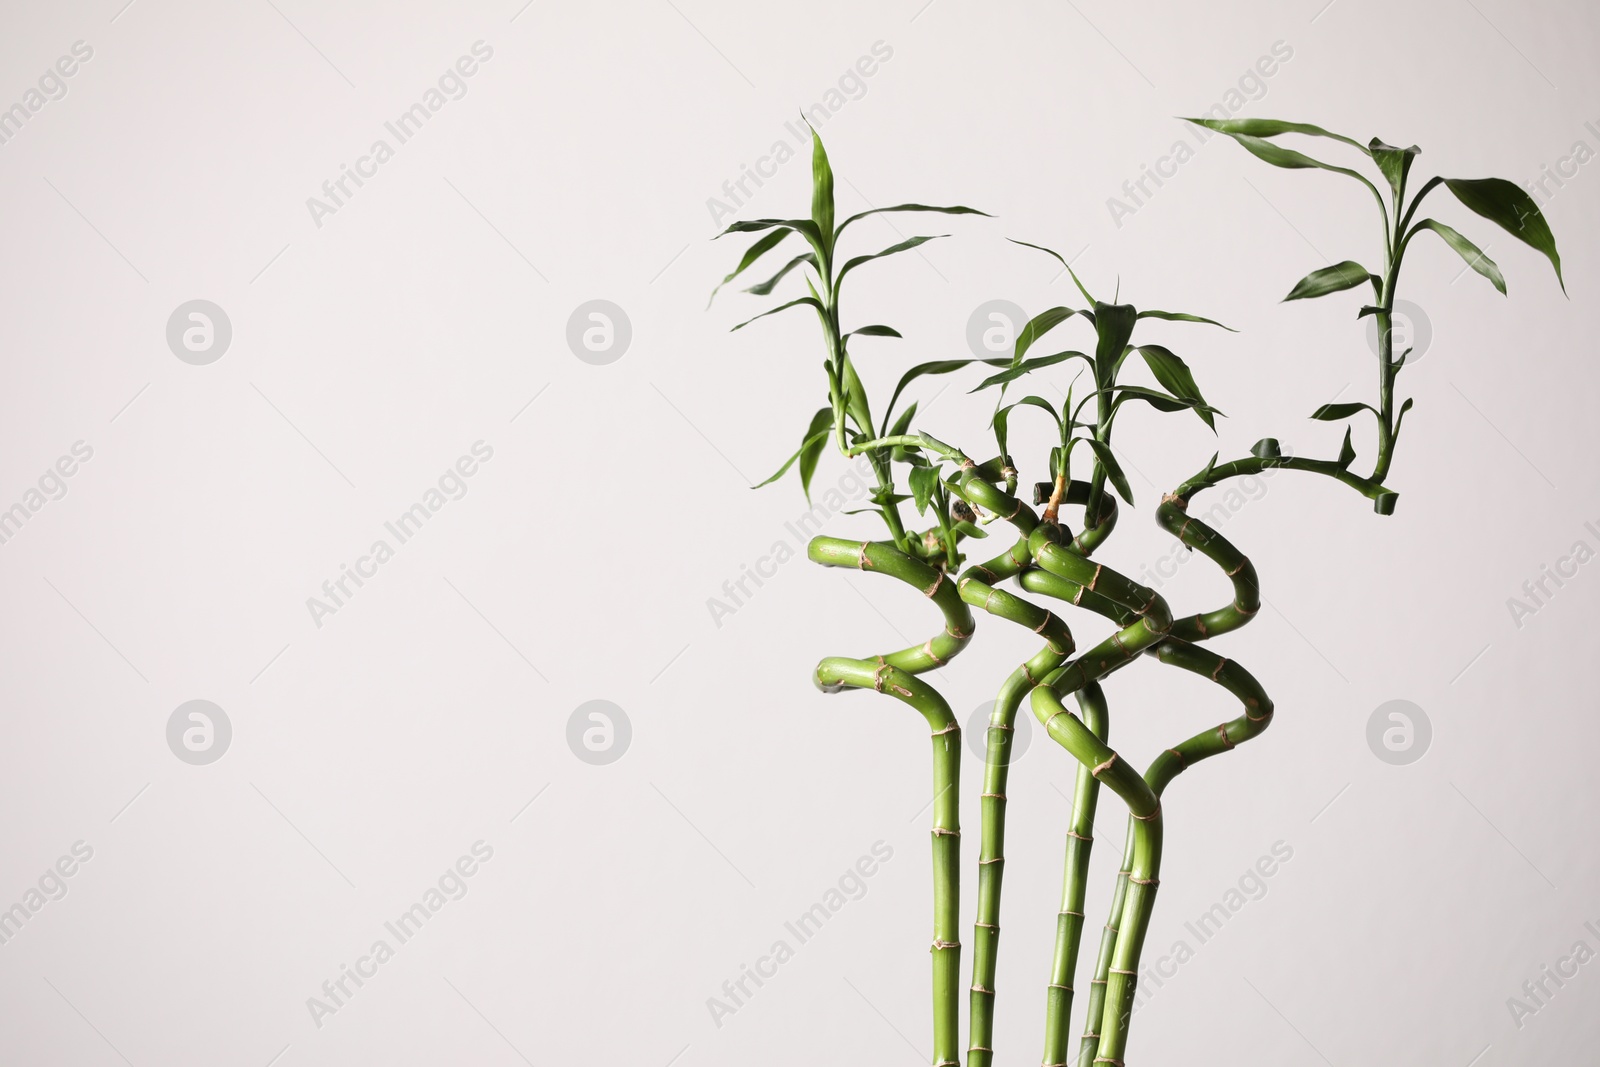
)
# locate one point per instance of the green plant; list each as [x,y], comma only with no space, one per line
[961,496]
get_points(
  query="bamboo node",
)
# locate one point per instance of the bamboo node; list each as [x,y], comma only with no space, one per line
[1058,985]
[863,563]
[945,831]
[1098,567]
[1221,663]
[877,675]
[1175,500]
[959,635]
[986,926]
[996,796]
[1075,914]
[1104,766]
[1242,561]
[1119,970]
[1043,623]
[980,568]
[927,647]
[1080,837]
[1145,881]
[938,944]
[980,989]
[1155,813]
[985,863]
[1242,610]
[952,728]
[1184,760]
[900,690]
[934,588]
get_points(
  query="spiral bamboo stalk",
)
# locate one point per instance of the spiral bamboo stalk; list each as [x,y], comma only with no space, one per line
[895,674]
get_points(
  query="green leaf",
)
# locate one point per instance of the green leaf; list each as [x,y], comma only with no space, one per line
[956,210]
[938,366]
[1266,448]
[805,227]
[903,423]
[1335,412]
[809,300]
[1289,159]
[1509,206]
[1334,279]
[1113,325]
[753,253]
[1038,326]
[1027,366]
[816,437]
[1002,418]
[766,287]
[1058,258]
[1270,128]
[966,529]
[1394,162]
[1159,401]
[1178,316]
[874,331]
[1175,377]
[923,481]
[811,451]
[821,191]
[1347,451]
[1466,250]
[903,246]
[1113,470]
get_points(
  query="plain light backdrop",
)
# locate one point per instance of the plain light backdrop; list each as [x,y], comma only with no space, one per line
[377,340]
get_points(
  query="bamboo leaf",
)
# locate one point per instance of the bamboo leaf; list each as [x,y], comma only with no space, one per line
[903,246]
[967,529]
[956,210]
[1270,128]
[1058,258]
[1178,316]
[1266,448]
[1334,279]
[903,423]
[1347,451]
[938,366]
[874,331]
[1113,469]
[809,300]
[1159,401]
[923,481]
[1113,325]
[1175,377]
[1510,207]
[753,253]
[766,287]
[1027,366]
[1038,326]
[821,192]
[816,436]
[1394,162]
[1335,412]
[1467,251]
[1288,158]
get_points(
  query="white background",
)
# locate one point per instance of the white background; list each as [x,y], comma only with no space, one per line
[371,351]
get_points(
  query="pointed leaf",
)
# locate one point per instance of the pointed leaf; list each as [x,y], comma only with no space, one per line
[1394,162]
[766,287]
[903,246]
[966,529]
[753,253]
[938,366]
[1178,316]
[1335,412]
[1113,470]
[1038,326]
[1334,279]
[1027,366]
[1467,251]
[874,331]
[1173,373]
[816,437]
[1347,451]
[1058,258]
[821,190]
[1113,325]
[1289,159]
[903,423]
[956,210]
[923,481]
[809,300]
[1270,128]
[1510,207]
[1266,448]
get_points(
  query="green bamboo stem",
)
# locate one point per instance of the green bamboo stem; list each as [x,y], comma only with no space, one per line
[1074,881]
[895,674]
[1095,1006]
[976,585]
[1105,765]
